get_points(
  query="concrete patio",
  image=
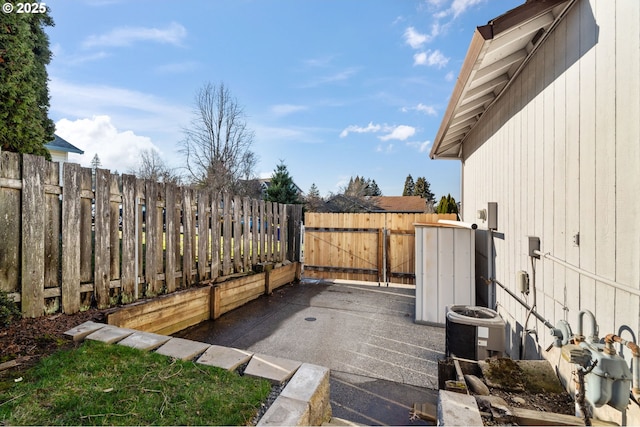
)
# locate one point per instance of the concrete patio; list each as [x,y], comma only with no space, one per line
[381,361]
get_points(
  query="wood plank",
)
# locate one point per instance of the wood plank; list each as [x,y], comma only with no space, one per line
[102,235]
[33,230]
[170,237]
[237,234]
[529,417]
[71,239]
[10,222]
[282,276]
[86,229]
[215,236]
[203,234]
[187,237]
[129,237]
[283,232]
[246,250]
[140,308]
[115,199]
[227,288]
[254,232]
[227,227]
[262,226]
[151,239]
[269,230]
[52,232]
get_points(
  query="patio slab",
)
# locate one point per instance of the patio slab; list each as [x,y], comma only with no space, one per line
[110,334]
[81,331]
[225,357]
[144,340]
[275,369]
[180,348]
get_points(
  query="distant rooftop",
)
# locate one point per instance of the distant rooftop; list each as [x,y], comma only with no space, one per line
[400,203]
[60,144]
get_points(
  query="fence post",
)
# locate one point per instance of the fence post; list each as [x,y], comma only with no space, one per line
[33,215]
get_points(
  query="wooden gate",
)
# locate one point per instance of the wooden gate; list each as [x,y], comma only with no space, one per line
[374,247]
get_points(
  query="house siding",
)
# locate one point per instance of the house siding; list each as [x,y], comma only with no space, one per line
[560,153]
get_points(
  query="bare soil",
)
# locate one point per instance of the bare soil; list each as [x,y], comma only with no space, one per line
[25,341]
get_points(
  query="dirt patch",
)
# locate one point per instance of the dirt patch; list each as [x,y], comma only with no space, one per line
[26,341]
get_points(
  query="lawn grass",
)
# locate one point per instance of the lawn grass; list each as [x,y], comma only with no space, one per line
[102,384]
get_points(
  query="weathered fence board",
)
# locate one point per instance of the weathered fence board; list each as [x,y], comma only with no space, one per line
[10,222]
[103,239]
[102,224]
[128,276]
[215,236]
[71,200]
[375,247]
[33,230]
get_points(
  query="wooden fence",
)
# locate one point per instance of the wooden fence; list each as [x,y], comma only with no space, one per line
[376,247]
[103,239]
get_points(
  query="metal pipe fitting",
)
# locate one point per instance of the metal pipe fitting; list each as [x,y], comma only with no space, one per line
[594,327]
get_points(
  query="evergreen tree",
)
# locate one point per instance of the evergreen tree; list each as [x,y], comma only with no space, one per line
[447,205]
[409,186]
[362,187]
[282,189]
[24,96]
[374,190]
[313,200]
[423,189]
[95,163]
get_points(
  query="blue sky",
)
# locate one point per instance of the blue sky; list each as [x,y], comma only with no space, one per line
[334,88]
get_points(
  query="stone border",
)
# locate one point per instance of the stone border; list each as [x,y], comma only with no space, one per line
[304,400]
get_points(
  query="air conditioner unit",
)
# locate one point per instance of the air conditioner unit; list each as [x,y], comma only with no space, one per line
[474,332]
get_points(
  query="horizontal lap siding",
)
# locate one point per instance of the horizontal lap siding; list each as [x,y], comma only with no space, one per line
[559,153]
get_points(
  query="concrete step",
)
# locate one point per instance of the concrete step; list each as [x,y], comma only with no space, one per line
[225,357]
[275,369]
[144,340]
[180,348]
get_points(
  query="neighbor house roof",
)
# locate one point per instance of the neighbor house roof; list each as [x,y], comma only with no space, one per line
[496,55]
[59,144]
[399,203]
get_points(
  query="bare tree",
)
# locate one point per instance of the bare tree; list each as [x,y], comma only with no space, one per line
[151,166]
[217,144]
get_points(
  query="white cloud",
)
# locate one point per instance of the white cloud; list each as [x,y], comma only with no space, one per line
[414,38]
[173,34]
[450,76]
[357,129]
[333,78]
[421,146]
[430,58]
[384,149]
[144,113]
[427,109]
[458,7]
[117,150]
[401,132]
[286,109]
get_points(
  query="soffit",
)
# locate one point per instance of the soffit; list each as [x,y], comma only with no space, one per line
[497,53]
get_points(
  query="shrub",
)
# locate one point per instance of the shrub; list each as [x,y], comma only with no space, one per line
[8,309]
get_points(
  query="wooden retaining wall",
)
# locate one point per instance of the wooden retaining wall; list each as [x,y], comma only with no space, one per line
[103,239]
[171,313]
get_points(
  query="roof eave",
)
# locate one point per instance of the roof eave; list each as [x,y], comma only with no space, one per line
[480,44]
